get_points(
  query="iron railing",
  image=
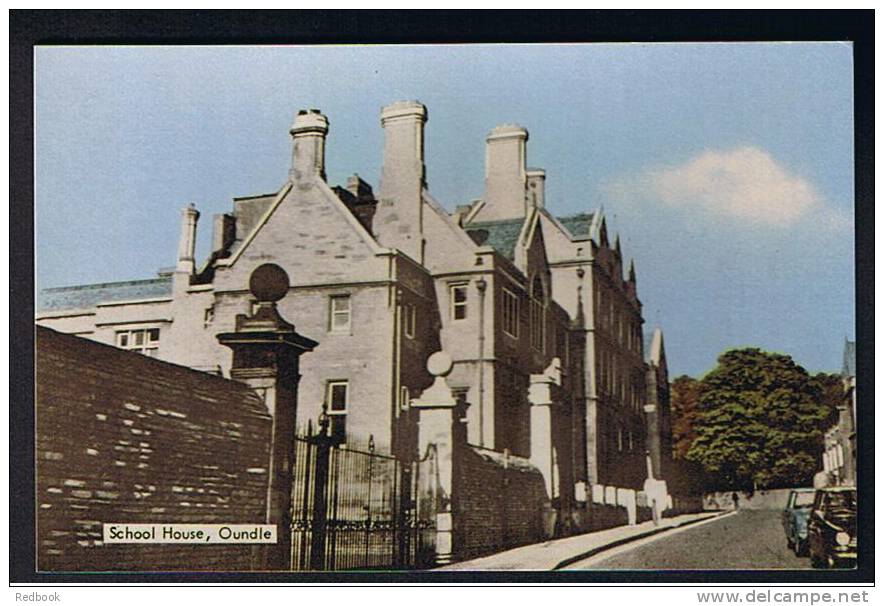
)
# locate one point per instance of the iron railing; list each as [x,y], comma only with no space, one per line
[357,509]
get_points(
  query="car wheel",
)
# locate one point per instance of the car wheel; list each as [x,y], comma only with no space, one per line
[815,562]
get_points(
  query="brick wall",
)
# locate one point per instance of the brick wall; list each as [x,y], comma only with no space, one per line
[501,502]
[602,516]
[121,437]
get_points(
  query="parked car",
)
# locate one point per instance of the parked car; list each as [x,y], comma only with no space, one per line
[832,528]
[795,518]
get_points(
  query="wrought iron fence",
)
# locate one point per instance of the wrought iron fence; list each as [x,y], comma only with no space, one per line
[355,508]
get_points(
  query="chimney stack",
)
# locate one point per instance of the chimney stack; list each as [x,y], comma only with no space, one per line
[399,221]
[404,170]
[308,145]
[187,240]
[505,174]
[536,187]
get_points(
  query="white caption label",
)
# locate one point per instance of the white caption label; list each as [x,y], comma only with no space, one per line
[190,533]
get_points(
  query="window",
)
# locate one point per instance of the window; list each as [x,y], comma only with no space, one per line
[208,315]
[404,398]
[510,313]
[336,401]
[620,440]
[339,313]
[536,318]
[409,319]
[458,297]
[600,380]
[142,340]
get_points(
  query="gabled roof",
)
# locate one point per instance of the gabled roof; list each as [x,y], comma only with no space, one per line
[326,192]
[89,295]
[848,369]
[501,235]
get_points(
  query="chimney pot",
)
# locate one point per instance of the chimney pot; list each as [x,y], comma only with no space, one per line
[308,133]
[404,109]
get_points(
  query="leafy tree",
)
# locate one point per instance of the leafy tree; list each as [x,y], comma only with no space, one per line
[759,421]
[684,396]
[832,389]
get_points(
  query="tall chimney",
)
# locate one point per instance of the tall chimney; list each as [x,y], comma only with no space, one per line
[399,219]
[536,187]
[187,239]
[308,145]
[505,174]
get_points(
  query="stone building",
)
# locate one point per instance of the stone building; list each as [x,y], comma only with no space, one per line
[839,441]
[659,414]
[539,313]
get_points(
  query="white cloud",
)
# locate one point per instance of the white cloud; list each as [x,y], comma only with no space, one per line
[745,183]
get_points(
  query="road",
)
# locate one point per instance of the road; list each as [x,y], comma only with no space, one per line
[748,539]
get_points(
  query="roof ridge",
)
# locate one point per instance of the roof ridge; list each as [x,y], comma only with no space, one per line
[494,222]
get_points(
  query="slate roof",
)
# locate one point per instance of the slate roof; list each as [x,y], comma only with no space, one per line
[578,225]
[849,367]
[89,295]
[501,235]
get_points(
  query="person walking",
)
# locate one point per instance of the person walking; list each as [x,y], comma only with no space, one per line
[736,499]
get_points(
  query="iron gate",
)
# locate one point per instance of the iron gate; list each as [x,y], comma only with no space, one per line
[356,509]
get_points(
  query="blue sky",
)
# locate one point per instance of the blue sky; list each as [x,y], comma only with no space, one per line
[727,169]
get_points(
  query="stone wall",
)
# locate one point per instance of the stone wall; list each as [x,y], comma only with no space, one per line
[501,503]
[760,499]
[682,504]
[612,506]
[121,437]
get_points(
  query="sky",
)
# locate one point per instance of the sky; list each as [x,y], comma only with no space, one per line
[727,169]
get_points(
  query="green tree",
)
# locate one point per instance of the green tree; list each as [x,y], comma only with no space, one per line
[759,421]
[684,397]
[832,390]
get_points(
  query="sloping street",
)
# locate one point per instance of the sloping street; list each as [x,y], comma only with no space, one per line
[749,539]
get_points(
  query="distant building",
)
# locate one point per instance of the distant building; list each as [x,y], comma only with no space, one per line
[839,443]
[657,410]
[516,295]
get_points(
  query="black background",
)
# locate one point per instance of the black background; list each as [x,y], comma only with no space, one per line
[30,28]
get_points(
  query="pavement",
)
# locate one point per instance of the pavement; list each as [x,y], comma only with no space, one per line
[560,553]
